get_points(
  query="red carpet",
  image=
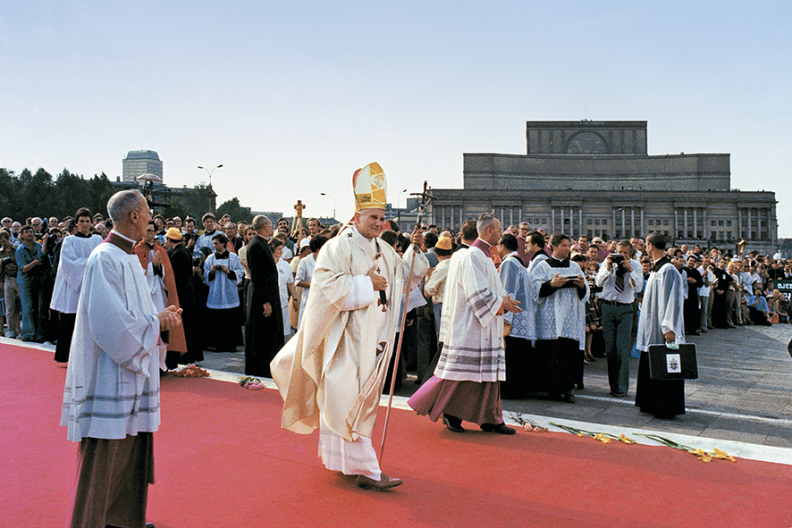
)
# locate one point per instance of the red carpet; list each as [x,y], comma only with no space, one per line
[223,461]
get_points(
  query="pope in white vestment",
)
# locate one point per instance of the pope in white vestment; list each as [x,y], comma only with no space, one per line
[331,373]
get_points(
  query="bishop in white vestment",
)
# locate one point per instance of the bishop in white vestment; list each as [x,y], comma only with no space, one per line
[465,385]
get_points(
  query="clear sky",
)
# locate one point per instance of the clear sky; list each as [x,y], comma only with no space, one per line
[292,97]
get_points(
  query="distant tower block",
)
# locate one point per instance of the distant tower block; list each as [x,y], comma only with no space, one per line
[139,162]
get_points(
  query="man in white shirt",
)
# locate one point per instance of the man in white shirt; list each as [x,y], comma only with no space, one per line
[705,303]
[753,282]
[621,277]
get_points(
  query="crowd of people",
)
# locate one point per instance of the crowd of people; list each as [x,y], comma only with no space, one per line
[206,272]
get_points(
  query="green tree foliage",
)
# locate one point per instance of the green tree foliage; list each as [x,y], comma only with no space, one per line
[235,210]
[37,194]
[29,194]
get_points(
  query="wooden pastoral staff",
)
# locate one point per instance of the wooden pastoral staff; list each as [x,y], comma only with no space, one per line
[425,199]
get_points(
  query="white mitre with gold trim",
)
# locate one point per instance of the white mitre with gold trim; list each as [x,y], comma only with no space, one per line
[371,187]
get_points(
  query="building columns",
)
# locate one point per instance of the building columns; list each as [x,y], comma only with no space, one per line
[750,213]
[695,223]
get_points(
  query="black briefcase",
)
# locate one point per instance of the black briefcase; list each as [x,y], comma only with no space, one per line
[666,364]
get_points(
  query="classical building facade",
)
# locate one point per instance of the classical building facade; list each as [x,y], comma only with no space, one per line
[595,178]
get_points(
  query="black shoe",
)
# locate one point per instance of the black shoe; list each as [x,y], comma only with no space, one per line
[498,428]
[384,483]
[453,423]
[569,397]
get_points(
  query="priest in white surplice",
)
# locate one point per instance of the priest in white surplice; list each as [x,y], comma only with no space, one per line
[74,253]
[331,373]
[465,385]
[662,321]
[111,397]
[560,290]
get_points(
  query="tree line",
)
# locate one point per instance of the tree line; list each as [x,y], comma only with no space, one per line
[28,194]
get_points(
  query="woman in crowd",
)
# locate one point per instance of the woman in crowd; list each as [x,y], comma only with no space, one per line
[593,310]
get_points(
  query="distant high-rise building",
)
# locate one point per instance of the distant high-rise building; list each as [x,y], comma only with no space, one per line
[139,162]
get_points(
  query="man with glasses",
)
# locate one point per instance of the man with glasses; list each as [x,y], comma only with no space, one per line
[603,252]
[111,398]
[16,227]
[524,229]
[36,223]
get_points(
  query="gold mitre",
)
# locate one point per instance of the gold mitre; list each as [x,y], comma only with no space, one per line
[371,188]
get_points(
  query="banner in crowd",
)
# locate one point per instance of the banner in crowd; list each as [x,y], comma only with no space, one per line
[783,286]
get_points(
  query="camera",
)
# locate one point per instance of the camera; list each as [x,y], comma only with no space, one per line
[618,260]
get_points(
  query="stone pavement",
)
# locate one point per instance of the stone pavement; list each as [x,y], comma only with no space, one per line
[743,394]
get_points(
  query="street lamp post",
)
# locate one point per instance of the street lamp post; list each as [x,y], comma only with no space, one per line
[211,190]
[209,172]
[331,197]
[398,200]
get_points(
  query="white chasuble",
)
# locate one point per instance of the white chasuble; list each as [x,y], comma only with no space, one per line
[334,369]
